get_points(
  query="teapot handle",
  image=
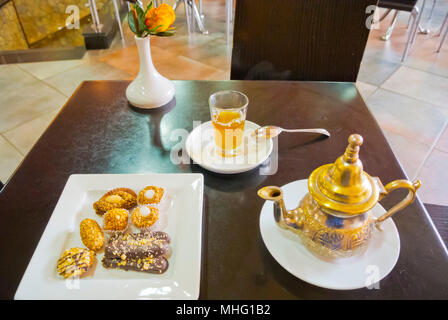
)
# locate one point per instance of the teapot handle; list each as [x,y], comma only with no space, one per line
[411,186]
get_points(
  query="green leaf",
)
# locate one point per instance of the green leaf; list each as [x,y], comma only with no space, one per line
[141,18]
[131,22]
[155,28]
[150,5]
[165,34]
[140,13]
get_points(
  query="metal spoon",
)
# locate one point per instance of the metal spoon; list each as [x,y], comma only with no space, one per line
[273,131]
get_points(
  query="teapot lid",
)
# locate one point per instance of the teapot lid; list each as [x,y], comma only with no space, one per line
[343,187]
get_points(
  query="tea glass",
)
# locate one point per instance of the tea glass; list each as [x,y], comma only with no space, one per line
[228,112]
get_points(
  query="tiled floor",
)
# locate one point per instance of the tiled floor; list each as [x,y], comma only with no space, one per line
[409,100]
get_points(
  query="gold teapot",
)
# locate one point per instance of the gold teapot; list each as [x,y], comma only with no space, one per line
[333,219]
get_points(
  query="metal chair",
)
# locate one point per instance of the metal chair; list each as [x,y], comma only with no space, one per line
[192,12]
[415,14]
[96,23]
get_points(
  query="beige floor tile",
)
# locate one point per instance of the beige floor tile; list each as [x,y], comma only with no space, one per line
[409,153]
[186,69]
[223,75]
[12,77]
[69,80]
[419,85]
[42,70]
[10,158]
[27,102]
[408,117]
[425,57]
[434,177]
[365,89]
[26,135]
[214,53]
[375,71]
[442,143]
[127,59]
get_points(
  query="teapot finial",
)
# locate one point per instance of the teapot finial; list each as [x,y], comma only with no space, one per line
[351,154]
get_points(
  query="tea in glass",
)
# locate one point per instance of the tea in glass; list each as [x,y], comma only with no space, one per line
[228,112]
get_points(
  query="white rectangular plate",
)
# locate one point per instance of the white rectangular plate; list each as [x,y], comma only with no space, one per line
[182,221]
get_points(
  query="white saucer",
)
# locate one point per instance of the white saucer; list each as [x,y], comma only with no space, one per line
[356,272]
[200,147]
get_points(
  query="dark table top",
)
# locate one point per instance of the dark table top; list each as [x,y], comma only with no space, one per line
[97,132]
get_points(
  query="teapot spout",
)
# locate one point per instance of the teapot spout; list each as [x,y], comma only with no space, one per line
[284,218]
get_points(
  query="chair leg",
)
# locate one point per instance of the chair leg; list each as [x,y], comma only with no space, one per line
[391,27]
[198,18]
[444,35]
[432,9]
[443,25]
[201,12]
[229,13]
[176,4]
[385,15]
[422,30]
[188,16]
[411,17]
[117,16]
[412,33]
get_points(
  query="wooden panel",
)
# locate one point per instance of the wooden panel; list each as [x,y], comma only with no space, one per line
[317,40]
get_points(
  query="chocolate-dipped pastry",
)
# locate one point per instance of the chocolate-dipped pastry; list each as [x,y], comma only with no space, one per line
[160,235]
[149,264]
[137,245]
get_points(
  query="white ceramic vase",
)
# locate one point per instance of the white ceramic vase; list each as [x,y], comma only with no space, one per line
[149,89]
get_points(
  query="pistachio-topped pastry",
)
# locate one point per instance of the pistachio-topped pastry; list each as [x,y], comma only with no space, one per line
[91,234]
[75,262]
[144,216]
[144,252]
[116,220]
[150,195]
[124,198]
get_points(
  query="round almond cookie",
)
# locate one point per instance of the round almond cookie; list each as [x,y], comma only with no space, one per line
[75,262]
[123,198]
[144,216]
[150,195]
[116,220]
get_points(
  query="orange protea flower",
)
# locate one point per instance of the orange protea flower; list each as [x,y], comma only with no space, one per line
[162,16]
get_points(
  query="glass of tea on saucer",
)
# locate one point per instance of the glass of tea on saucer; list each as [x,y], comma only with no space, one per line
[228,112]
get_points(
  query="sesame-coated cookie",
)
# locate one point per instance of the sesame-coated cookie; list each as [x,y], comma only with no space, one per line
[124,198]
[91,234]
[150,195]
[145,216]
[116,220]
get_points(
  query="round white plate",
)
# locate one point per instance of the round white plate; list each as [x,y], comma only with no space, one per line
[200,147]
[365,269]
